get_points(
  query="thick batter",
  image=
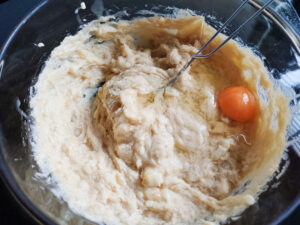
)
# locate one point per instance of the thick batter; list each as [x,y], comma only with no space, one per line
[124,152]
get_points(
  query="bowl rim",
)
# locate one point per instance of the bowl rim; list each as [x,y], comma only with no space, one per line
[6,175]
[282,23]
[8,178]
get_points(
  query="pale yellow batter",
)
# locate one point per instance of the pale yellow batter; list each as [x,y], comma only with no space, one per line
[126,153]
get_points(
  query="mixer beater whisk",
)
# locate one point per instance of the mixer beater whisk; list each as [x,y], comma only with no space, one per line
[234,33]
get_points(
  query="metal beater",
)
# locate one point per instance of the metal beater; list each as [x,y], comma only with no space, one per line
[199,53]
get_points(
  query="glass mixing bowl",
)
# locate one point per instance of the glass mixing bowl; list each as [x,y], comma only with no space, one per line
[274,36]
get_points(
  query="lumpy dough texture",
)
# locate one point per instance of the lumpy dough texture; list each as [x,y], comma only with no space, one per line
[129,152]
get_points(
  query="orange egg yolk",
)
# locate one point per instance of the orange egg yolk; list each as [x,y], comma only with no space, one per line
[237,103]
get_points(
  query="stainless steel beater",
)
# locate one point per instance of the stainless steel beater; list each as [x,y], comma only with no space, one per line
[199,53]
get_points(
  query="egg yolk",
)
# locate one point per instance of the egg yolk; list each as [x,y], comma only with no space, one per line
[237,103]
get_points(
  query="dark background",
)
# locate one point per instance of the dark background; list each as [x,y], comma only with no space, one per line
[12,12]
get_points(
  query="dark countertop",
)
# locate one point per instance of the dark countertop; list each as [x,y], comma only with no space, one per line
[11,12]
